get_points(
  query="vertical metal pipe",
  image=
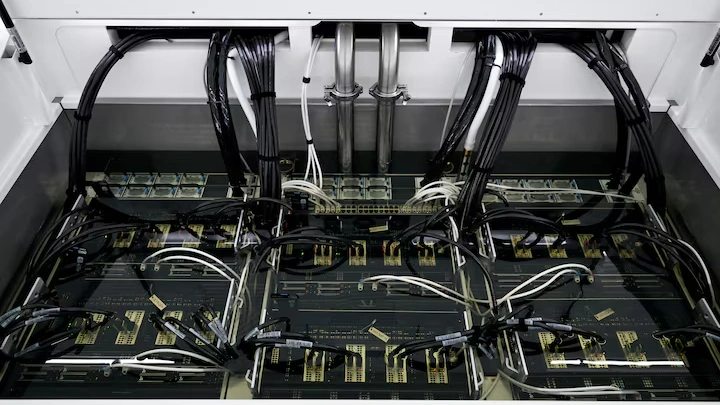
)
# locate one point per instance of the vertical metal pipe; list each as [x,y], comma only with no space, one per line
[344,86]
[386,92]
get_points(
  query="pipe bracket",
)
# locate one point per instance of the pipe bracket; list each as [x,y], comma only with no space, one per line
[400,91]
[331,92]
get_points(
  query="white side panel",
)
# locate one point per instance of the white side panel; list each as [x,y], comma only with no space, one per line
[25,117]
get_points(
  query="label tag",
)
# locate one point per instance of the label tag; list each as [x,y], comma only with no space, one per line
[293,343]
[274,333]
[451,342]
[378,334]
[448,336]
[157,302]
[380,228]
[571,222]
[604,314]
[174,330]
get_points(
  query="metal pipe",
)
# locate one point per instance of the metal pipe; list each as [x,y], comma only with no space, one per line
[344,89]
[386,91]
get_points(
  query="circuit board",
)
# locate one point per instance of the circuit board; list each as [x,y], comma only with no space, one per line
[115,280]
[632,295]
[336,307]
[320,289]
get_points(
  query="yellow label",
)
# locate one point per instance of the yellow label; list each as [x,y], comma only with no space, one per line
[604,314]
[378,334]
[157,302]
[381,228]
[570,222]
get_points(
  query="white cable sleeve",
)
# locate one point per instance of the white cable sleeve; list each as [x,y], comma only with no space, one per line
[234,76]
[489,95]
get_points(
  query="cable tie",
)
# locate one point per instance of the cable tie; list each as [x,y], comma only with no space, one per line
[620,68]
[82,117]
[268,158]
[263,94]
[116,51]
[513,77]
[306,79]
[593,62]
[636,121]
[309,141]
[560,326]
[497,66]
[484,170]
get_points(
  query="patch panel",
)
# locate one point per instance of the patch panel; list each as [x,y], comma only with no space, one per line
[166,337]
[146,179]
[314,366]
[354,367]
[128,336]
[395,369]
[436,363]
[554,358]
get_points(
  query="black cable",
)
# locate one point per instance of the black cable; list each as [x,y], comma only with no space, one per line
[258,58]
[218,101]
[518,51]
[83,114]
[635,110]
[484,58]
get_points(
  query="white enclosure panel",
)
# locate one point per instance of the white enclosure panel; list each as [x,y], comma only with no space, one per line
[172,72]
[25,117]
[517,10]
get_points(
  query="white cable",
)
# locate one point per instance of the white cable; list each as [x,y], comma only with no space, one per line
[383,277]
[191,250]
[704,268]
[176,351]
[539,288]
[313,162]
[511,295]
[490,92]
[234,76]
[550,190]
[575,391]
[196,260]
[429,288]
[455,89]
[169,369]
[310,188]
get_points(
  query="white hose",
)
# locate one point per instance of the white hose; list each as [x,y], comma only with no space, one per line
[489,95]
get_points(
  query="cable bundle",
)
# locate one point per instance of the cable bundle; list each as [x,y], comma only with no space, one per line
[83,114]
[258,58]
[484,57]
[607,64]
[216,89]
[313,162]
[518,54]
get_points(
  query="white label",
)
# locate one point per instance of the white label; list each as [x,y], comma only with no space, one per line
[274,333]
[294,343]
[39,319]
[41,312]
[451,342]
[174,330]
[200,337]
[448,336]
[560,326]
